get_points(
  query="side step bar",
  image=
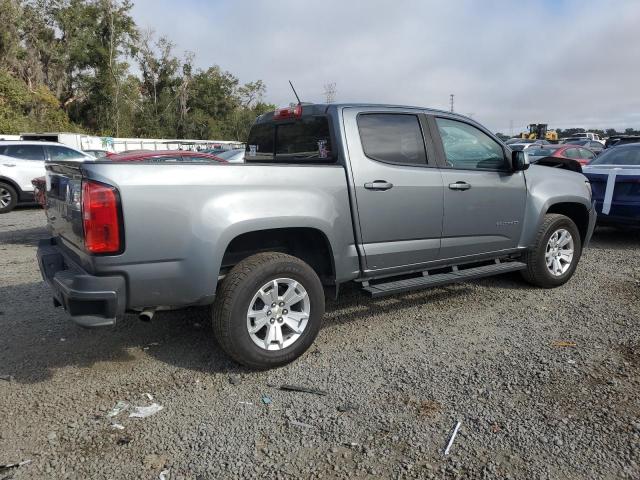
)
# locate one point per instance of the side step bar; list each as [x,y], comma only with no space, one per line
[455,276]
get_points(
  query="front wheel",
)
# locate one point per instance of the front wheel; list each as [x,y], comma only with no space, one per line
[268,310]
[554,257]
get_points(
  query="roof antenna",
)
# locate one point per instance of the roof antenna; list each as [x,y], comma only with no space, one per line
[295,93]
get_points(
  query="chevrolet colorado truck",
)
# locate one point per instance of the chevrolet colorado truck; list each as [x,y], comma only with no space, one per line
[393,198]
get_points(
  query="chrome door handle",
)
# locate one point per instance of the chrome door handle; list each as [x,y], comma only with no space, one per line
[9,164]
[459,186]
[378,185]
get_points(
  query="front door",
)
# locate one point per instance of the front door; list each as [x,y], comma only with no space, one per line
[484,200]
[398,187]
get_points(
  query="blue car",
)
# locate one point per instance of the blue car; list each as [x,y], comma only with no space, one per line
[615,182]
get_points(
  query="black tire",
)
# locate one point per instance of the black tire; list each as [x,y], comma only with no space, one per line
[7,189]
[234,297]
[537,272]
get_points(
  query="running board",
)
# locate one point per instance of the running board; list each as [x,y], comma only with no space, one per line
[455,276]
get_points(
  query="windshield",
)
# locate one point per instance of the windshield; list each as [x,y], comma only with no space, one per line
[619,156]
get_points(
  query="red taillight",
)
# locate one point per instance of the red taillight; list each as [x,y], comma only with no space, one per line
[288,112]
[100,218]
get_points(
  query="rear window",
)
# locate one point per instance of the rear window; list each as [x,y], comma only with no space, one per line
[305,140]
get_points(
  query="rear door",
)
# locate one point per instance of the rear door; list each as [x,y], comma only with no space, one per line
[484,200]
[397,186]
[25,163]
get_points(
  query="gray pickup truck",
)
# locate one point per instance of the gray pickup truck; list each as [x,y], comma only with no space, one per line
[393,198]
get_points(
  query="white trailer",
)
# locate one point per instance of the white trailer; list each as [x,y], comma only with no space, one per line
[111,144]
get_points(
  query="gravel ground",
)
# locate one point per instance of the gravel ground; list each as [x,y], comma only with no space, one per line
[399,372]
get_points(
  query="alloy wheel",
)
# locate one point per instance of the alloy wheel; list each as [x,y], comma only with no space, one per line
[5,197]
[559,252]
[278,314]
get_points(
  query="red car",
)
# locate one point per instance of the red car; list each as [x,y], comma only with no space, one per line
[572,152]
[39,184]
[39,189]
[184,156]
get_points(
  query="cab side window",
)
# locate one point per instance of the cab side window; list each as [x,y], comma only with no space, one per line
[468,148]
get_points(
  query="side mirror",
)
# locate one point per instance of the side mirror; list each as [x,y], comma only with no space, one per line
[519,160]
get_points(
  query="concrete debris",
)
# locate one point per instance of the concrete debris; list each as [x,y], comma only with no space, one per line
[144,412]
[453,437]
[8,466]
[300,424]
[297,388]
[119,407]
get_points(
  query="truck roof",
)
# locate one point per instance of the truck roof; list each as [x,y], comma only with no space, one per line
[323,108]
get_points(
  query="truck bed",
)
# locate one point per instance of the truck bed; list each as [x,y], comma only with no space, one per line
[178,220]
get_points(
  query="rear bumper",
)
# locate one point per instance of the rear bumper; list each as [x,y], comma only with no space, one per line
[90,301]
[27,197]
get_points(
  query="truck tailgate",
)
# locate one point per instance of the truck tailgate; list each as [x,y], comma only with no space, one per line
[64,202]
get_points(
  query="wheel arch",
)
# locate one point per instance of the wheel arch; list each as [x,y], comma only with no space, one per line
[577,212]
[309,244]
[13,184]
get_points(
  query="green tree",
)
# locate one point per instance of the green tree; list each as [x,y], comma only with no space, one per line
[212,101]
[23,108]
[158,88]
[67,63]
[96,36]
[10,12]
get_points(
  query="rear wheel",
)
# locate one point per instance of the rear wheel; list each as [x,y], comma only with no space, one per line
[268,310]
[8,198]
[556,252]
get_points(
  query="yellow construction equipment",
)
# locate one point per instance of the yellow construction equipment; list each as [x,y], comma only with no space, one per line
[539,131]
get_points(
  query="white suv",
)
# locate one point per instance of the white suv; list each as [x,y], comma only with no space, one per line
[21,162]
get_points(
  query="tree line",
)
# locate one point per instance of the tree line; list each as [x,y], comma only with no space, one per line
[570,132]
[84,65]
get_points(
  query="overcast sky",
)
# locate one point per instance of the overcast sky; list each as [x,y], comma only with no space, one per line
[562,62]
